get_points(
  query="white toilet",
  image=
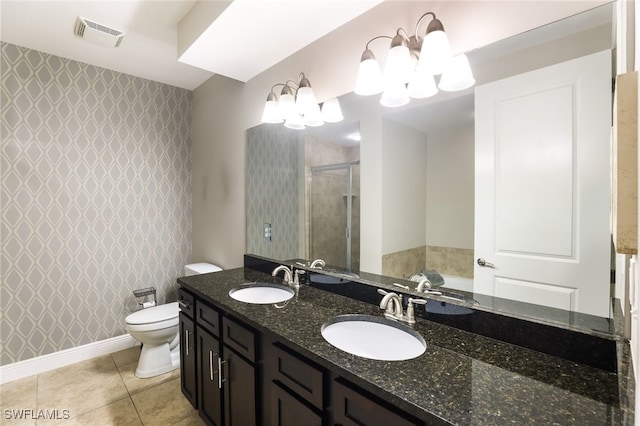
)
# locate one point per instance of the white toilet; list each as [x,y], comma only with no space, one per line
[157,329]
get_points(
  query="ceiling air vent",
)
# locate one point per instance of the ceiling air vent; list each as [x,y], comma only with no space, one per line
[98,33]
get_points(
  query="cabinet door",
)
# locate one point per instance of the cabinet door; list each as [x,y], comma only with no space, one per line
[239,390]
[209,392]
[188,376]
[353,408]
[286,410]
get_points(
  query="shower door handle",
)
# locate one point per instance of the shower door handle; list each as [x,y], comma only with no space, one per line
[347,232]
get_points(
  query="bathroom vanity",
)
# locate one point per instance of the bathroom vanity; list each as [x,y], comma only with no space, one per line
[245,363]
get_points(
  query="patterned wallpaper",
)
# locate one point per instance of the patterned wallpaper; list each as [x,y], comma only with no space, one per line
[273,169]
[95,199]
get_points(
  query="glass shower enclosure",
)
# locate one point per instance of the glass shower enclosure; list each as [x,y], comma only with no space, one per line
[334,214]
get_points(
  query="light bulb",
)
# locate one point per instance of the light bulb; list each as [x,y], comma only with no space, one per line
[313,118]
[294,121]
[287,104]
[422,84]
[458,75]
[395,95]
[399,66]
[271,113]
[331,111]
[436,52]
[369,80]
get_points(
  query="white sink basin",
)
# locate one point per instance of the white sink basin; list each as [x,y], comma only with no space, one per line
[261,293]
[373,337]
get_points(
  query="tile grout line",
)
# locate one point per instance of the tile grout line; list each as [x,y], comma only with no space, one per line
[128,391]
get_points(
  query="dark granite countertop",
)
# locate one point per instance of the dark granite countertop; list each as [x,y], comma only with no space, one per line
[462,378]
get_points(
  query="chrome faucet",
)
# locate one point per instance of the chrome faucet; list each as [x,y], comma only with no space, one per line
[423,285]
[288,276]
[317,264]
[392,304]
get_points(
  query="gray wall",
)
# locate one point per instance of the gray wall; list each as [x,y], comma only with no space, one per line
[96,199]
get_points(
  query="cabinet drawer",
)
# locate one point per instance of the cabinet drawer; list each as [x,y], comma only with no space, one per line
[297,374]
[352,408]
[208,318]
[186,300]
[239,338]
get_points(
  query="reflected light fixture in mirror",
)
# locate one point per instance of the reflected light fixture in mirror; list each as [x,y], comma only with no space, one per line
[411,66]
[298,108]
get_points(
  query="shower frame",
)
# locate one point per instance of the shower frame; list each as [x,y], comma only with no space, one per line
[326,168]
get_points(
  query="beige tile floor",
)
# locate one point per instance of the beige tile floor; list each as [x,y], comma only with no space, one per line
[100,391]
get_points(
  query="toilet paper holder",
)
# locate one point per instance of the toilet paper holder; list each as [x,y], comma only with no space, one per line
[145,292]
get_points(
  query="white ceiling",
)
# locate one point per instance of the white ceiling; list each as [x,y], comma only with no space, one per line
[248,37]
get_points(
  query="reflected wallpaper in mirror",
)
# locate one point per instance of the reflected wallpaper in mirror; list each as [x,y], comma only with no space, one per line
[304,186]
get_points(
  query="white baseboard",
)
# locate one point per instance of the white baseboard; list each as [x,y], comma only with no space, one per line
[40,364]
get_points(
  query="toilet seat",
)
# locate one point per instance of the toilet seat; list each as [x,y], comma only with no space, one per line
[156,318]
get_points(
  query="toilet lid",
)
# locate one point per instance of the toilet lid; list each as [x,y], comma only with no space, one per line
[155,314]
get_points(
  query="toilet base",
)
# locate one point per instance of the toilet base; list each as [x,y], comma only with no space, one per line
[156,360]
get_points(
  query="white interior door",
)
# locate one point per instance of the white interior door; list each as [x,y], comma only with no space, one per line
[542,186]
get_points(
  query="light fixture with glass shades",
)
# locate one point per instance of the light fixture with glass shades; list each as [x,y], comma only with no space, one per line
[297,106]
[412,64]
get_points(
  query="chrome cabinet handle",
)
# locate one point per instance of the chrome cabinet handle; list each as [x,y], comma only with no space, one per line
[183,304]
[211,372]
[186,341]
[210,366]
[220,379]
[483,262]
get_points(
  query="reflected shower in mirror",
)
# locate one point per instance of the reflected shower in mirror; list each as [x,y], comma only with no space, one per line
[304,186]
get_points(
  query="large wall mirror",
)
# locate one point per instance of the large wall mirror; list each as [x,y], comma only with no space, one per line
[298,181]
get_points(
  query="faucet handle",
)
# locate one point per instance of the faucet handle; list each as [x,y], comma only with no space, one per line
[296,280]
[382,292]
[423,284]
[411,316]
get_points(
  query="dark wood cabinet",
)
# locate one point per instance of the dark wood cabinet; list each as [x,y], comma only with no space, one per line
[209,379]
[355,407]
[188,382]
[294,388]
[239,389]
[237,376]
[287,410]
[226,370]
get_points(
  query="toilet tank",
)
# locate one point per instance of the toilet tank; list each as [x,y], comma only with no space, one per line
[200,268]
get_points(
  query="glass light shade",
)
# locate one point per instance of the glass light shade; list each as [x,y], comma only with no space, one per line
[369,81]
[294,121]
[436,52]
[399,66]
[313,118]
[395,95]
[306,100]
[422,84]
[271,113]
[287,105]
[458,75]
[331,111]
